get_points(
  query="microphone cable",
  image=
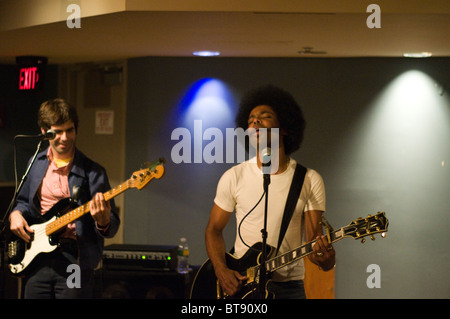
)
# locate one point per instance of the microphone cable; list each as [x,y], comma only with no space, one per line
[242,220]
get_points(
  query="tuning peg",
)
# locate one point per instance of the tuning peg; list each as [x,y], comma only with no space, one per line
[363,240]
[372,237]
[383,235]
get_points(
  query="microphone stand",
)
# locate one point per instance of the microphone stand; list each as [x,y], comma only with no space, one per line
[3,221]
[263,259]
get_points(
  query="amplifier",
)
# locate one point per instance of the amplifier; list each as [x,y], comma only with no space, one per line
[140,257]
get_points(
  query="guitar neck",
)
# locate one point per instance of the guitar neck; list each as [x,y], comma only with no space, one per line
[73,215]
[299,252]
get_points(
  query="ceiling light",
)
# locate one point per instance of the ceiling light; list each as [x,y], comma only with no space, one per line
[206,53]
[417,55]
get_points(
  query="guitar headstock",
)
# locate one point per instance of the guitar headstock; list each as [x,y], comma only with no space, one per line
[362,227]
[141,178]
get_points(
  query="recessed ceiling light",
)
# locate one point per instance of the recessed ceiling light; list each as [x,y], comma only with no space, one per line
[206,53]
[417,55]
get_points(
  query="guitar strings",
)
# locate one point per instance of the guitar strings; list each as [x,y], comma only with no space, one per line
[85,208]
[42,231]
[344,229]
[79,211]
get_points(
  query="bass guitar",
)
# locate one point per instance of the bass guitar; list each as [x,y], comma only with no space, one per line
[44,239]
[206,285]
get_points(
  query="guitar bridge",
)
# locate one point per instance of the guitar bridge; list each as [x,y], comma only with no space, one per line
[12,249]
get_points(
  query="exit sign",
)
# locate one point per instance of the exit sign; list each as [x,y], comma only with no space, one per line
[31,72]
[28,78]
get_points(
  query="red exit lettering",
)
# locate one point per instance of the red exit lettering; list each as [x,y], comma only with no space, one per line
[28,78]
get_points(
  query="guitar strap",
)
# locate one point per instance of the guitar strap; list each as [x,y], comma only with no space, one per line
[291,202]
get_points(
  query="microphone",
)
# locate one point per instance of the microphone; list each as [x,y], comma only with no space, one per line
[266,168]
[266,156]
[49,135]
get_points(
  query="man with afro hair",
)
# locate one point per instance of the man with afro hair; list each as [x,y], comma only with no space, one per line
[240,189]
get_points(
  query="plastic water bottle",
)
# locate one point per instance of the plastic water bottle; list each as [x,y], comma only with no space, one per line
[183,256]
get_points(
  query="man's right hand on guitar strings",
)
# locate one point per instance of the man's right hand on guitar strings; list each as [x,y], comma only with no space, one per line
[19,226]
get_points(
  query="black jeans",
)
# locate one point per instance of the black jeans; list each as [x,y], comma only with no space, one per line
[287,290]
[48,279]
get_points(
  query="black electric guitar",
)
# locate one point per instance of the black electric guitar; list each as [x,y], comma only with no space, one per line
[206,285]
[44,239]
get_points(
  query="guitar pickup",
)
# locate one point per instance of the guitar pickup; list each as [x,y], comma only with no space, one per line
[250,275]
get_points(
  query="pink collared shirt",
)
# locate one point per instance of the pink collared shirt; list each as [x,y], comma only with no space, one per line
[54,187]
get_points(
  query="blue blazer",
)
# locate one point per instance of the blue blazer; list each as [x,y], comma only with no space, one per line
[90,178]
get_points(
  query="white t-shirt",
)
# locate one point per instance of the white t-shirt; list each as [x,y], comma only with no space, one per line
[240,188]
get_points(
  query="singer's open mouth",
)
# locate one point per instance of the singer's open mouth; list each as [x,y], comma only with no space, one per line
[255,131]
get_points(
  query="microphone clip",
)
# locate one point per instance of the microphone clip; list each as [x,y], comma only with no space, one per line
[49,135]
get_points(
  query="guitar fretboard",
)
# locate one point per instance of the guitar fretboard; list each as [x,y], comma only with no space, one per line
[138,180]
[73,215]
[298,253]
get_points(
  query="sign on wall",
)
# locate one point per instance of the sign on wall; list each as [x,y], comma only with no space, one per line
[104,122]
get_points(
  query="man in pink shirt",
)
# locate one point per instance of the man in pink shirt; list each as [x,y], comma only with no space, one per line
[59,172]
